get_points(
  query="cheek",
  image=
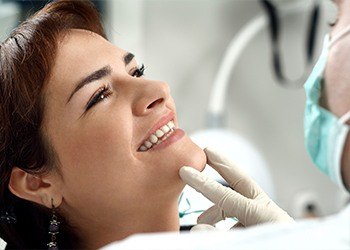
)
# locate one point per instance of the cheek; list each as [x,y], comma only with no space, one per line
[345,168]
[96,147]
[337,79]
[97,159]
[105,178]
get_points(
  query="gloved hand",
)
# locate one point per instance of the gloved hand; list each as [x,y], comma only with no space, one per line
[247,201]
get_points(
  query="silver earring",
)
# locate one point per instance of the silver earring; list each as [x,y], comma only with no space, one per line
[8,216]
[53,229]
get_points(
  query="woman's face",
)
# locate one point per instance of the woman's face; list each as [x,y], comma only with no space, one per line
[337,77]
[98,115]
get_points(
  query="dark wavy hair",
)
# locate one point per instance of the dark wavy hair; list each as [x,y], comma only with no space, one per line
[26,60]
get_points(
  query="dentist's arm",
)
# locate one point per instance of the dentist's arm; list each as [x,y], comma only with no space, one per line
[246,200]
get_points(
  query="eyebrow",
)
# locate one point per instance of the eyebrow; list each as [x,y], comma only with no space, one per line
[98,74]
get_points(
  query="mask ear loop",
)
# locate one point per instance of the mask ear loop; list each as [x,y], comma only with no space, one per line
[338,36]
[345,117]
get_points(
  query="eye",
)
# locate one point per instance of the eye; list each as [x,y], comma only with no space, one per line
[139,71]
[331,24]
[100,95]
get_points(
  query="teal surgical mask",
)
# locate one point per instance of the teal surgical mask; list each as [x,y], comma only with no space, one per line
[324,133]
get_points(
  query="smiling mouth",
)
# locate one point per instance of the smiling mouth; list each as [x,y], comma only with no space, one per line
[158,137]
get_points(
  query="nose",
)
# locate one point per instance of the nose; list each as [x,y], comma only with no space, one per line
[150,96]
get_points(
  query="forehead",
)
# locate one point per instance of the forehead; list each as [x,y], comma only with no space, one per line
[79,52]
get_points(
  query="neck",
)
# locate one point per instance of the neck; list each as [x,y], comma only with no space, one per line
[144,219]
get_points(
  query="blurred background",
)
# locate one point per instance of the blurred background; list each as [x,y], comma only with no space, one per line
[185,42]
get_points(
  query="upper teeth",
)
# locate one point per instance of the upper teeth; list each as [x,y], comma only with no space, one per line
[157,137]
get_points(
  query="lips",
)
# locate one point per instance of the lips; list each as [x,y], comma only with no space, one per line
[159,133]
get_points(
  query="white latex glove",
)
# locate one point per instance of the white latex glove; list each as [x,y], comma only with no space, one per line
[247,201]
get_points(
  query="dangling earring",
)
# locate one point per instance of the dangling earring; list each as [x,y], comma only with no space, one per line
[8,216]
[53,229]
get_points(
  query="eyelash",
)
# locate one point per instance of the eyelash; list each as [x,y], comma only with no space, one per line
[105,91]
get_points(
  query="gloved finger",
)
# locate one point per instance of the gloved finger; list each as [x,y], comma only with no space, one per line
[211,216]
[211,189]
[203,227]
[232,203]
[233,175]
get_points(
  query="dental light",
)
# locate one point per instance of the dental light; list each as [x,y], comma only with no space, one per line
[229,142]
[237,46]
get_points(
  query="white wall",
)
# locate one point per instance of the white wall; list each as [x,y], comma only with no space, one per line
[9,14]
[182,42]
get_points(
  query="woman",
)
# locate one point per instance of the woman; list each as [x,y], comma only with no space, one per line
[87,143]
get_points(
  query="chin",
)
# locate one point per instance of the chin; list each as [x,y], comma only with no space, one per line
[167,162]
[189,154]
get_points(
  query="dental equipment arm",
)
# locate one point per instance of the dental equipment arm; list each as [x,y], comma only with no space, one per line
[246,200]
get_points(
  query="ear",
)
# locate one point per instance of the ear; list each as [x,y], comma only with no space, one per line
[39,189]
